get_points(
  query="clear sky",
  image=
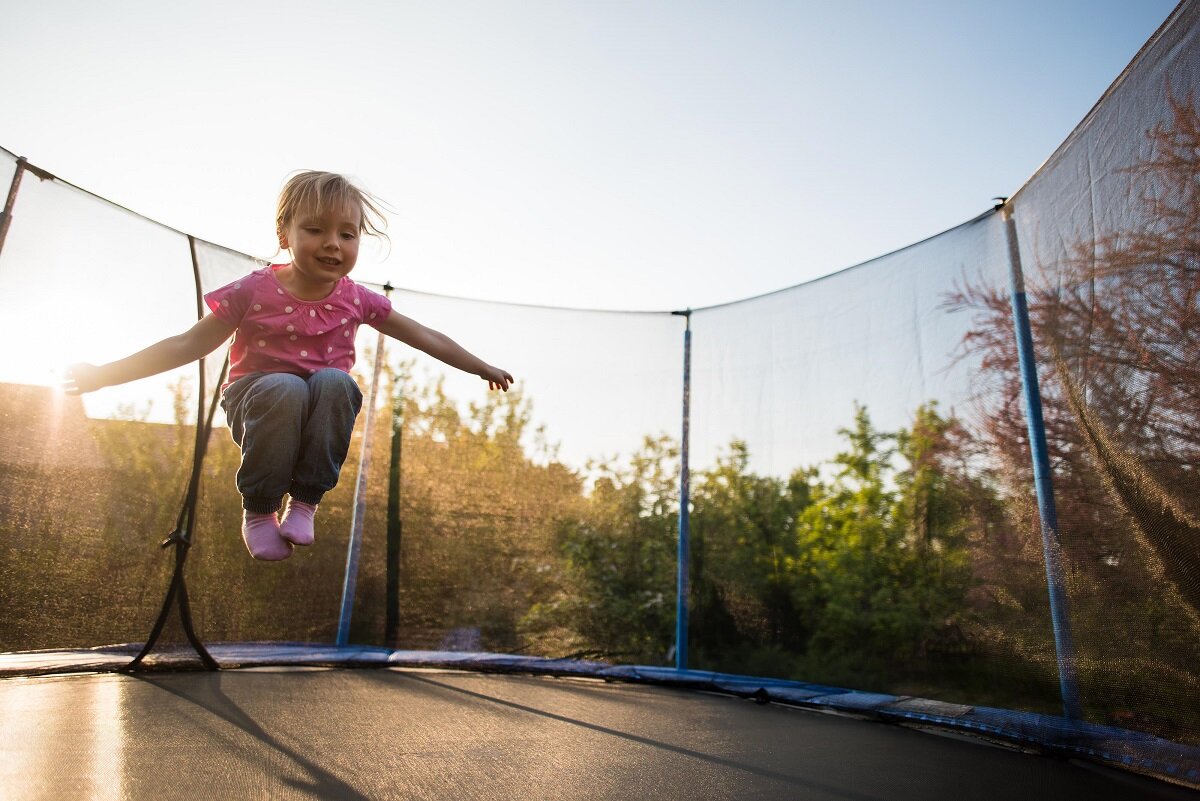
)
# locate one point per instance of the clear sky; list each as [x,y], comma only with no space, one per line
[650,154]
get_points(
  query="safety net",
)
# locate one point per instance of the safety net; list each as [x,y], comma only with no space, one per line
[960,478]
[1109,234]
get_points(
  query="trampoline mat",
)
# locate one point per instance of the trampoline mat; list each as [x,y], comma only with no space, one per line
[324,733]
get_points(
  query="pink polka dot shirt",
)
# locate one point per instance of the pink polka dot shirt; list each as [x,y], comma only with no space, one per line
[279,333]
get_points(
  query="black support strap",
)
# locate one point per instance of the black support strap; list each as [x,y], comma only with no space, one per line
[181,536]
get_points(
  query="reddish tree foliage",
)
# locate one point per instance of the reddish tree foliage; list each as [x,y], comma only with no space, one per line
[1116,325]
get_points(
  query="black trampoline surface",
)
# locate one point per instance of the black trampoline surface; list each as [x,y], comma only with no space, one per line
[328,733]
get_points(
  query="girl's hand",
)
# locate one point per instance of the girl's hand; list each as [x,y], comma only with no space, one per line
[496,378]
[81,378]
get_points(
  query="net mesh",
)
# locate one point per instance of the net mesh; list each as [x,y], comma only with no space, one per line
[862,504]
[1112,286]
[849,505]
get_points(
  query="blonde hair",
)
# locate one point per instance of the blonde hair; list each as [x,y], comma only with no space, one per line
[312,191]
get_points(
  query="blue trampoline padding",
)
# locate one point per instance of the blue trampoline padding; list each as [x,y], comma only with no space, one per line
[1129,749]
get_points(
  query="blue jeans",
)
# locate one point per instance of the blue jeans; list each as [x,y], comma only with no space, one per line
[294,434]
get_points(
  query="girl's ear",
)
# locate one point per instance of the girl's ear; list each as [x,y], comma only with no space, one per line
[283,240]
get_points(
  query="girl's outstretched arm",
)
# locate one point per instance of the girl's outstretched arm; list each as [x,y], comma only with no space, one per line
[443,348]
[199,340]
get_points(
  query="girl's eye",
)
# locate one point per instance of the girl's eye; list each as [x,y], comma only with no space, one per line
[348,235]
[313,230]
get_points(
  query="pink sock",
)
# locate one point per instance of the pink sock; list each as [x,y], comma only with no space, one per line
[297,525]
[261,535]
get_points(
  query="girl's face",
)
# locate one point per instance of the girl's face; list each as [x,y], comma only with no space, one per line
[324,244]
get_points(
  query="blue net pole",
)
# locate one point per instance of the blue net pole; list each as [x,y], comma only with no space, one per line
[682,584]
[1051,547]
[349,584]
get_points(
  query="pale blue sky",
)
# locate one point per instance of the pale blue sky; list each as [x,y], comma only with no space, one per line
[632,155]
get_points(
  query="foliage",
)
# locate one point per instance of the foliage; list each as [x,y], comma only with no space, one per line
[617,568]
[479,521]
[1116,328]
[867,569]
[870,567]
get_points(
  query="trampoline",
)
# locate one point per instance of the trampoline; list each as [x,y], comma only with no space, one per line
[372,729]
[924,528]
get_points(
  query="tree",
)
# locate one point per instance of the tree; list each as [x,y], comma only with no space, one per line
[617,587]
[481,516]
[1116,326]
[742,557]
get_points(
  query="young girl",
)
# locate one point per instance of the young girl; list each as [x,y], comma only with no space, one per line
[290,400]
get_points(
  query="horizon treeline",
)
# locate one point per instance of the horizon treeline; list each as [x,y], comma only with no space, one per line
[911,564]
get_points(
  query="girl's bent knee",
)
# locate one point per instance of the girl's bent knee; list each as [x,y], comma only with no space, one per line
[282,383]
[331,377]
[330,389]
